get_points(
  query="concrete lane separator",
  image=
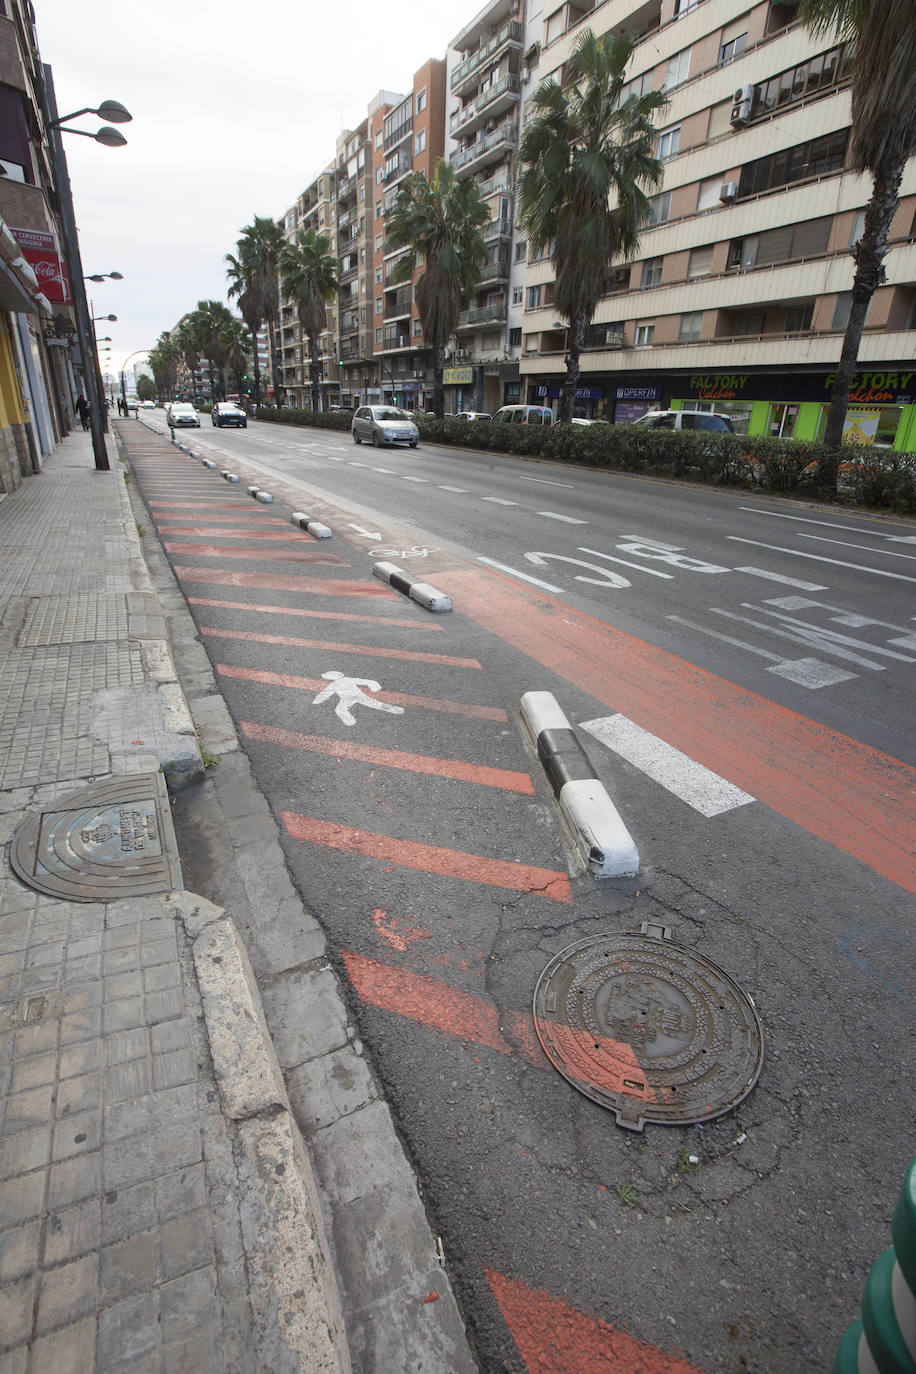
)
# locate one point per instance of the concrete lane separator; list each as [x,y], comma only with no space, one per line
[257,495]
[229,476]
[600,834]
[418,591]
[209,463]
[312,527]
[293,1286]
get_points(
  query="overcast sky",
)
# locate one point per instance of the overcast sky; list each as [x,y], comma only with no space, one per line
[236,108]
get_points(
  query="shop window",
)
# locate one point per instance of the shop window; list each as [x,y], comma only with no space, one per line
[700,262]
[802,162]
[651,273]
[659,209]
[645,334]
[668,144]
[798,318]
[732,49]
[688,330]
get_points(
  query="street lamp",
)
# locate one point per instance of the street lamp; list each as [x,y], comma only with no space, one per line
[100,276]
[104,317]
[115,112]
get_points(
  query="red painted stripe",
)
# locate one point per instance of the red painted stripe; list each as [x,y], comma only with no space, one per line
[316,684]
[335,646]
[225,532]
[276,582]
[202,504]
[392,758]
[852,796]
[429,858]
[556,1338]
[269,555]
[261,609]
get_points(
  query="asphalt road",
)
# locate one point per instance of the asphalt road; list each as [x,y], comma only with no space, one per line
[773,644]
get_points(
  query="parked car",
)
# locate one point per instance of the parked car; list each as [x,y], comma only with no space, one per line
[381,425]
[524,415]
[227,413]
[685,419]
[472,415]
[182,413]
[147,405]
[577,421]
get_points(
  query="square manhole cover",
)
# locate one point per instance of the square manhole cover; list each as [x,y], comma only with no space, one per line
[107,842]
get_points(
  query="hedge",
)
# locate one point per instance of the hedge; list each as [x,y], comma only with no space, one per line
[879,478]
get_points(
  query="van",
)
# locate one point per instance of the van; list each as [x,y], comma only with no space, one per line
[524,415]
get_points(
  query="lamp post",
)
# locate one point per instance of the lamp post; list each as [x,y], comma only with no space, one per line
[109,109]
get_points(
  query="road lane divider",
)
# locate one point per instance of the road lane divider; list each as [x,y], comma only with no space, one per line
[418,591]
[209,463]
[312,527]
[229,476]
[597,827]
[257,495]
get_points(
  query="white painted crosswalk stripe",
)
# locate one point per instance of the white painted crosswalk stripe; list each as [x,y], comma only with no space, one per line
[700,788]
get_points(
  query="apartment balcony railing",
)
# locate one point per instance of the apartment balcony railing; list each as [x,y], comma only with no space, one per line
[495,186]
[348,323]
[482,148]
[398,135]
[403,164]
[485,314]
[504,90]
[350,351]
[398,308]
[345,187]
[347,273]
[396,338]
[495,271]
[509,33]
[497,229]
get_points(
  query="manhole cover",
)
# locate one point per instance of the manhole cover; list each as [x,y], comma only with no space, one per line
[651,1030]
[104,843]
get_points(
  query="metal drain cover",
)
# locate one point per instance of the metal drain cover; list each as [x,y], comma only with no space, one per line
[649,1029]
[104,843]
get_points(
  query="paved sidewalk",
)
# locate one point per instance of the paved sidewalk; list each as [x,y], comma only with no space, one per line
[157,1207]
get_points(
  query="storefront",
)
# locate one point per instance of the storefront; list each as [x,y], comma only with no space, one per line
[588,403]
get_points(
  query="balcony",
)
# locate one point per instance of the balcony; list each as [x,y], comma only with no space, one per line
[398,135]
[394,338]
[403,164]
[493,101]
[347,187]
[398,308]
[496,186]
[349,322]
[495,271]
[494,313]
[497,229]
[486,149]
[509,33]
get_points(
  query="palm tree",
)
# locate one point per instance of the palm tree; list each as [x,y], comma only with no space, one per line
[309,275]
[188,340]
[236,343]
[163,359]
[212,318]
[249,310]
[883,36]
[259,255]
[585,147]
[439,222]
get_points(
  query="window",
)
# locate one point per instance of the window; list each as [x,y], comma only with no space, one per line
[678,69]
[858,225]
[700,262]
[798,318]
[417,329]
[659,209]
[747,322]
[786,244]
[604,336]
[378,274]
[684,6]
[515,338]
[534,297]
[521,250]
[419,143]
[668,142]
[378,209]
[819,157]
[421,100]
[732,49]
[378,336]
[640,85]
[518,295]
[379,137]
[645,334]
[379,174]
[378,305]
[556,24]
[688,330]
[841,310]
[817,74]
[362,191]
[651,273]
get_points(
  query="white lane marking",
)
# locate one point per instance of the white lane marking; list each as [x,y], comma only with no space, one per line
[866,548]
[498,501]
[354,464]
[786,581]
[514,572]
[852,620]
[368,534]
[819,558]
[811,636]
[567,519]
[655,543]
[459,491]
[808,520]
[805,672]
[545,482]
[404,478]
[389,472]
[699,787]
[900,538]
[640,567]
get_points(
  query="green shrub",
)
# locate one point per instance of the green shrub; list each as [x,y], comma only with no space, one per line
[880,477]
[310,419]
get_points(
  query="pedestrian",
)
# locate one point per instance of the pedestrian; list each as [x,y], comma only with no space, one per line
[82,406]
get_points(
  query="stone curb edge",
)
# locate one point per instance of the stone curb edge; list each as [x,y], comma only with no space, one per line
[293,1286]
[600,834]
[418,591]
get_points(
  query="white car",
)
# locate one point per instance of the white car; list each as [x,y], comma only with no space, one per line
[472,415]
[182,413]
[147,405]
[685,419]
[380,425]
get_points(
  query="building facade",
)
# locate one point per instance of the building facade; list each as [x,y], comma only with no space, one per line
[739,294]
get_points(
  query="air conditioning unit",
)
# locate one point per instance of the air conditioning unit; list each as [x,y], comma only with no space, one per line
[741,105]
[526,73]
[728,191]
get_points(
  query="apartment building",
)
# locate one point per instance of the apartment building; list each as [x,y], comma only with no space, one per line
[492,62]
[315,208]
[739,295]
[408,136]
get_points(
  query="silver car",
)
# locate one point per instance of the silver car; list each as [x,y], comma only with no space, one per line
[182,413]
[381,425]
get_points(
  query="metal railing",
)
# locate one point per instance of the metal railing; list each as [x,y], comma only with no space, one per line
[464,157]
[509,33]
[484,314]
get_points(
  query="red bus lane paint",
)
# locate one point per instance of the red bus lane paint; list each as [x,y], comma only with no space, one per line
[833,786]
[554,1337]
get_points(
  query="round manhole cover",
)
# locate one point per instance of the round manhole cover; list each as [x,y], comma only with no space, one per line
[649,1029]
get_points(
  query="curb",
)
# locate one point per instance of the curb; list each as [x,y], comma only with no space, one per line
[312,527]
[418,591]
[257,495]
[599,832]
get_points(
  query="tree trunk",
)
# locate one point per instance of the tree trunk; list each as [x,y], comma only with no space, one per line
[274,361]
[869,255]
[257,374]
[438,387]
[575,340]
[315,371]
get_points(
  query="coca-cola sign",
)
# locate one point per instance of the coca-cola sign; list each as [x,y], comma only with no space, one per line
[41,253]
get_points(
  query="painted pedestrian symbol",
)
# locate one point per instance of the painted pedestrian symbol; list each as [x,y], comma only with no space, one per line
[349,693]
